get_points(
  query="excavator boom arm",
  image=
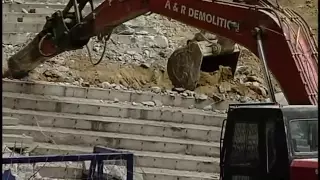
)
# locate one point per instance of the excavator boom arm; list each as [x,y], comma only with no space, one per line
[290,51]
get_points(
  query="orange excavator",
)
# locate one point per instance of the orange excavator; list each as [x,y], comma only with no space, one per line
[258,141]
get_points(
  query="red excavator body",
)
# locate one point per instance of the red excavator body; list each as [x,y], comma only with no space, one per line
[304,169]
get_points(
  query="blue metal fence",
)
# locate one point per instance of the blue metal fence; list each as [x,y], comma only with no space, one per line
[99,155]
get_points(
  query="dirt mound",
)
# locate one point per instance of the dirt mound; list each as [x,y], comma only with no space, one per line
[77,69]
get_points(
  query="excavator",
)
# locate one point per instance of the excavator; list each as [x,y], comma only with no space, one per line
[258,141]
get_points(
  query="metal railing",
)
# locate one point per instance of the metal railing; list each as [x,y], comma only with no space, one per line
[99,155]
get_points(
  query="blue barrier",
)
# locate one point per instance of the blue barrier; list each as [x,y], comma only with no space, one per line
[99,155]
[99,163]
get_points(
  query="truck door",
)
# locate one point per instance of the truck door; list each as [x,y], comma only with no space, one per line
[245,150]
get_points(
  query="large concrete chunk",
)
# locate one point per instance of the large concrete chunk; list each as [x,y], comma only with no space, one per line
[144,159]
[104,108]
[117,140]
[117,125]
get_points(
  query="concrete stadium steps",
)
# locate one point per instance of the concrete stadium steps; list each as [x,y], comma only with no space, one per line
[16,139]
[22,27]
[143,158]
[30,18]
[10,121]
[54,89]
[49,1]
[117,140]
[109,109]
[44,1]
[116,125]
[34,18]
[53,113]
[49,8]
[9,8]
[72,170]
[39,7]
[33,22]
[14,38]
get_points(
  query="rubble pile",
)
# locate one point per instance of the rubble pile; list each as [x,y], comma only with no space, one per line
[37,171]
[19,171]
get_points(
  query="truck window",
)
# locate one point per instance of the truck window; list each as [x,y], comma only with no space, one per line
[304,134]
[271,150]
[245,145]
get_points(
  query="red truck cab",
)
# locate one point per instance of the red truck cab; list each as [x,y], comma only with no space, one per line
[304,169]
[269,142]
[303,133]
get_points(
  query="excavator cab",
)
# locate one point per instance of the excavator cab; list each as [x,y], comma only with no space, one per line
[269,141]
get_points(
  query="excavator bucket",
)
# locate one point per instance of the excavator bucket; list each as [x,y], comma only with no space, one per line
[185,64]
[27,59]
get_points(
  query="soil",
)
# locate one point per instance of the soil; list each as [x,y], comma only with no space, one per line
[142,78]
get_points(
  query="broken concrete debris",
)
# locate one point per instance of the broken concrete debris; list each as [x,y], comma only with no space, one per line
[149,103]
[201,97]
[156,89]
